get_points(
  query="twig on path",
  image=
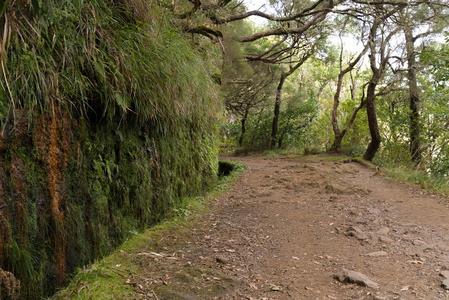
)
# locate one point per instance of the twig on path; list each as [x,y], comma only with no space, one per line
[154,294]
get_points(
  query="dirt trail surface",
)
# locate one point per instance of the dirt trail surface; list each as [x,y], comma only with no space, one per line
[289,227]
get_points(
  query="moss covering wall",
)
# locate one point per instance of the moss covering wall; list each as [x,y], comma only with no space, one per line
[108,121]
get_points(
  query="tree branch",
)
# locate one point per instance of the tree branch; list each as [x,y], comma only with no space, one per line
[285,31]
[201,29]
[196,7]
[305,12]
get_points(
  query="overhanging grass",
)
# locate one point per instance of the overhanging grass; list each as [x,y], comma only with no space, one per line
[106,279]
[419,177]
[103,60]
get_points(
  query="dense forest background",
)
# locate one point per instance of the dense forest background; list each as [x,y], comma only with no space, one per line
[113,111]
[366,80]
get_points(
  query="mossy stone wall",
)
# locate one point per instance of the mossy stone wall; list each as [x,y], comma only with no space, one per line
[71,191]
[107,120]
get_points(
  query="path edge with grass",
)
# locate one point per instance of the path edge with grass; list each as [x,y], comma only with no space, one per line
[108,277]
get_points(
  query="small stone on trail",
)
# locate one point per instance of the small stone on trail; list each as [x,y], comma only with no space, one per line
[222,260]
[347,276]
[356,232]
[419,243]
[353,230]
[361,220]
[445,274]
[445,284]
[385,239]
[377,254]
[275,288]
[426,247]
[361,237]
[384,230]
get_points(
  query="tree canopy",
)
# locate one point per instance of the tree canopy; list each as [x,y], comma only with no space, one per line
[370,73]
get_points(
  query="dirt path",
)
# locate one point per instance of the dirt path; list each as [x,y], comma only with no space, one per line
[289,225]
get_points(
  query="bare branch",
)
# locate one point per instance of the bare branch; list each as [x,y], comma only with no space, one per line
[256,57]
[285,31]
[305,12]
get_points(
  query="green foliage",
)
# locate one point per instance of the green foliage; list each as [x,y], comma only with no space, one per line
[394,112]
[294,127]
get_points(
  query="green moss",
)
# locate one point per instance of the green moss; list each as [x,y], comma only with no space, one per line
[107,277]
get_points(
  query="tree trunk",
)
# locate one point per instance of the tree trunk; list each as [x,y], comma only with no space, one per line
[277,104]
[338,133]
[338,136]
[243,131]
[338,139]
[415,130]
[372,122]
[277,109]
[383,57]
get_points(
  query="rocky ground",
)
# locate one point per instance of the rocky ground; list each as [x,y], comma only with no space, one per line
[306,228]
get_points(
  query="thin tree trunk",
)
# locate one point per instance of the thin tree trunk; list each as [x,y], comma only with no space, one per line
[415,130]
[372,122]
[277,103]
[383,56]
[338,133]
[277,109]
[374,144]
[338,138]
[243,130]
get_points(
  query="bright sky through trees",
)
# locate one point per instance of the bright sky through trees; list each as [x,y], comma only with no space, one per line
[261,5]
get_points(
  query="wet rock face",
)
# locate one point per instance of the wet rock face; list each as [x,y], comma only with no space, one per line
[71,191]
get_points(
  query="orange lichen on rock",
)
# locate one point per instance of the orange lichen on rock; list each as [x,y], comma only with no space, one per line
[53,171]
[52,140]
